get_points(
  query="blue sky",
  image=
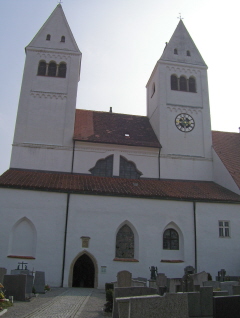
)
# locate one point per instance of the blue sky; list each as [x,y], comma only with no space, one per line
[121,42]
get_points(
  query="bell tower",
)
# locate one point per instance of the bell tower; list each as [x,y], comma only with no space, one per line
[46,111]
[178,109]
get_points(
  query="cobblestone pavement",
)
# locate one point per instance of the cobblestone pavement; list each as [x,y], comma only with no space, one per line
[61,303]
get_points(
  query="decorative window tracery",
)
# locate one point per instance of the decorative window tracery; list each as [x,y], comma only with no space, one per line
[125,242]
[170,240]
[128,169]
[103,167]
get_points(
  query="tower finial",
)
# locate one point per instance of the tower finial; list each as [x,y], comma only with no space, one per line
[60,2]
[180,17]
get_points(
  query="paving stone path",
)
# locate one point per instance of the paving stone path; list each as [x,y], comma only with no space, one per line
[61,303]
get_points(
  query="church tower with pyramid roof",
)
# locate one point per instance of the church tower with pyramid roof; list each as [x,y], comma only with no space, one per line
[46,112]
[178,109]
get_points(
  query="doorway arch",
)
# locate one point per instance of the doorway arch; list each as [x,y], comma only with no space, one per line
[83,271]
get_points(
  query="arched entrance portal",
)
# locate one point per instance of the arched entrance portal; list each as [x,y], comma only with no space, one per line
[83,272]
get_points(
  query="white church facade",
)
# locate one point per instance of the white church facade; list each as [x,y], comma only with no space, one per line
[90,193]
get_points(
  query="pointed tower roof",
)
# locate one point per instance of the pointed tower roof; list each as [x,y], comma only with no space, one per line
[55,27]
[181,48]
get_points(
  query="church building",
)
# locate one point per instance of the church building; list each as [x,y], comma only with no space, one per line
[91,193]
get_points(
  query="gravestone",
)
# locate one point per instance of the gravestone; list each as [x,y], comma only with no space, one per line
[124,279]
[161,280]
[153,271]
[187,283]
[194,308]
[226,306]
[221,275]
[39,282]
[3,271]
[189,270]
[214,284]
[236,290]
[15,285]
[154,306]
[206,303]
[228,285]
[199,278]
[20,272]
[129,292]
[173,285]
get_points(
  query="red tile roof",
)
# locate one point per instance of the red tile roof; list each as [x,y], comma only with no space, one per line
[227,146]
[121,129]
[144,188]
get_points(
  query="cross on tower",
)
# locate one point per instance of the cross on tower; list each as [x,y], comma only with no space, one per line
[180,17]
[60,2]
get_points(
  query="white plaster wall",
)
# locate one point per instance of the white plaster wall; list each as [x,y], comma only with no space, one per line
[47,212]
[188,168]
[87,154]
[100,217]
[214,252]
[40,157]
[222,176]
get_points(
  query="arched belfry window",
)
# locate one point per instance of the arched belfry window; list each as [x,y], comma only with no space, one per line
[170,240]
[125,242]
[176,51]
[42,67]
[52,69]
[63,38]
[128,169]
[188,53]
[183,83]
[103,167]
[192,84]
[174,82]
[48,37]
[62,70]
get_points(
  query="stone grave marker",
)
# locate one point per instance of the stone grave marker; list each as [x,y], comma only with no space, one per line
[199,278]
[226,306]
[3,271]
[124,279]
[194,308]
[187,284]
[39,282]
[161,280]
[214,284]
[228,285]
[15,285]
[189,270]
[206,303]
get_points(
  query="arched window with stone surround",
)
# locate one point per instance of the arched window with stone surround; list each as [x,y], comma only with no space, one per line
[52,69]
[125,242]
[174,82]
[170,239]
[192,84]
[183,83]
[42,67]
